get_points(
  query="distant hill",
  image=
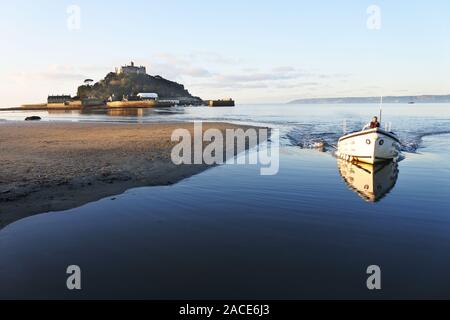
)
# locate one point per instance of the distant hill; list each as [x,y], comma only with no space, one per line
[121,85]
[391,99]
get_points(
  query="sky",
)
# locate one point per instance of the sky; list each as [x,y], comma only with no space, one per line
[263,51]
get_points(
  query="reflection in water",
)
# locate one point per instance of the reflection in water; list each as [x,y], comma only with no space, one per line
[132,112]
[138,112]
[57,111]
[371,182]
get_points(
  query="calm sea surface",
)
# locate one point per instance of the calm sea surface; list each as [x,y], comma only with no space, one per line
[310,231]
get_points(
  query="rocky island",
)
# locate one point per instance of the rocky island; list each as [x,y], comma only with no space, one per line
[128,86]
[132,83]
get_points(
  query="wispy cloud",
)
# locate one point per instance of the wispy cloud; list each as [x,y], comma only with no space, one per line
[284,77]
[255,77]
[175,67]
[213,57]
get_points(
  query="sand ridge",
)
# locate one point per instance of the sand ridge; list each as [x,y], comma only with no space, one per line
[57,166]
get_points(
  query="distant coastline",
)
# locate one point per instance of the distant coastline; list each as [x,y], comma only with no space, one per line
[389,99]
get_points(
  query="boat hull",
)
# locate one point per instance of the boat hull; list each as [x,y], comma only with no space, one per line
[369,146]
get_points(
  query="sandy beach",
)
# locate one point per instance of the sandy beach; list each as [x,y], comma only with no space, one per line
[57,166]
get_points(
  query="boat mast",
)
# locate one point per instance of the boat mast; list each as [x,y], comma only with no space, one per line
[381,109]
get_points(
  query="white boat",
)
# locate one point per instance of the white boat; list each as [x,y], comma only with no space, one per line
[370,182]
[369,146]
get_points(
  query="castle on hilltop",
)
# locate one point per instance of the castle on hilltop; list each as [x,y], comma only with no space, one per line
[131,69]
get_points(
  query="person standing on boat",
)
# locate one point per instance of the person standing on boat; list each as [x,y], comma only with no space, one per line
[373,124]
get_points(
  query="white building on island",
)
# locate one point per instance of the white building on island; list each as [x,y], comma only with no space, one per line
[148,96]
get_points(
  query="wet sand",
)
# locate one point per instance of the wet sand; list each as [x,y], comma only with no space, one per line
[57,166]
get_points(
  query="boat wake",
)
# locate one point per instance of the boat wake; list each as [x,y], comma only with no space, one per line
[312,140]
[327,141]
[412,142]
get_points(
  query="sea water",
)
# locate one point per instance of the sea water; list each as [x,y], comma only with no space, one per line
[307,232]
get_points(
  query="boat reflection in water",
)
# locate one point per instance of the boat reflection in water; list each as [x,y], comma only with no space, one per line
[371,182]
